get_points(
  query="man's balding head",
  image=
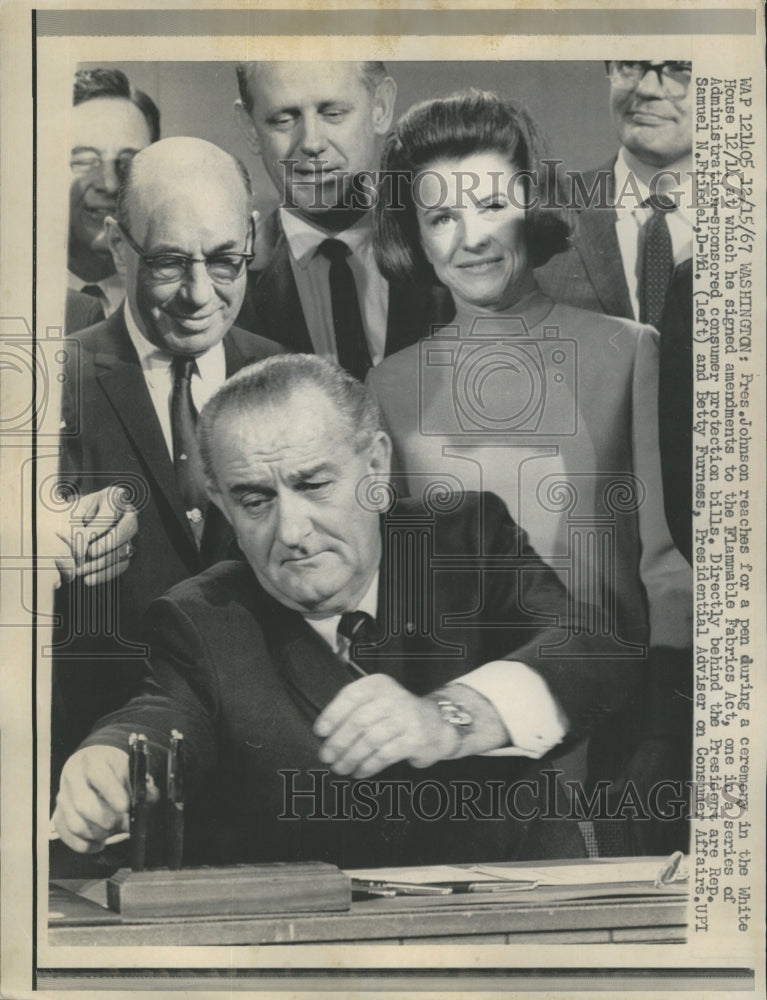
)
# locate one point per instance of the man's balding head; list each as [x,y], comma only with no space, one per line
[173,167]
[185,198]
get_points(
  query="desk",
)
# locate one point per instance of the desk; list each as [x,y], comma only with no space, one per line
[546,915]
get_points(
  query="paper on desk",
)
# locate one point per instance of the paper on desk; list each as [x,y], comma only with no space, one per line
[616,870]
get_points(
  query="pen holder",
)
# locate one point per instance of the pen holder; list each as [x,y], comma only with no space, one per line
[226,892]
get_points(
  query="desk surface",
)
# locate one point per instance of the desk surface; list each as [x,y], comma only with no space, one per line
[547,914]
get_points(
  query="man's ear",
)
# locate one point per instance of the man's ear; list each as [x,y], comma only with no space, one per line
[379,459]
[116,242]
[247,126]
[383,105]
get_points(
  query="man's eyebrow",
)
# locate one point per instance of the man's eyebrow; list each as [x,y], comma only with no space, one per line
[281,110]
[240,490]
[338,102]
[94,149]
[227,247]
[321,468]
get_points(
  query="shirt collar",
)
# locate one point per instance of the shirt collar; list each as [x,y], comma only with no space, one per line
[211,366]
[112,286]
[327,628]
[643,175]
[304,237]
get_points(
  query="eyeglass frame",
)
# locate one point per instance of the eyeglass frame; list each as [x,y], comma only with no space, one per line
[648,67]
[147,258]
[97,162]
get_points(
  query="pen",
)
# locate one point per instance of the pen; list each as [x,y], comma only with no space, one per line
[399,888]
[668,870]
[139,757]
[174,833]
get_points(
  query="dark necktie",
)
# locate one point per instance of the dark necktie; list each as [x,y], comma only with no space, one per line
[657,261]
[186,453]
[351,345]
[97,293]
[359,628]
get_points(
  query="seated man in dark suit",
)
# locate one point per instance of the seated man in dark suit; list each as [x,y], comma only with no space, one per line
[181,240]
[425,644]
[109,123]
[317,127]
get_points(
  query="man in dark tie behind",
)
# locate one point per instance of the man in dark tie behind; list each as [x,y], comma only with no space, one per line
[181,240]
[316,286]
[420,642]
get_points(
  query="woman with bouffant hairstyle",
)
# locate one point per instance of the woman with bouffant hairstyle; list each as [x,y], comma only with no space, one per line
[553,408]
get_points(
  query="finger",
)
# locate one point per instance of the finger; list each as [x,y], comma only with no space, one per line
[89,507]
[67,568]
[349,699]
[127,526]
[152,791]
[365,722]
[90,816]
[380,739]
[80,844]
[105,574]
[102,545]
[84,821]
[390,753]
[78,546]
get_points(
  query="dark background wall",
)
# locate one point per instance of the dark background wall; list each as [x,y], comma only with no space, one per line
[568,100]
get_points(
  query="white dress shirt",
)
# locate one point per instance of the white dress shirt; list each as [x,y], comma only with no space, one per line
[112,290]
[519,695]
[631,218]
[310,270]
[158,375]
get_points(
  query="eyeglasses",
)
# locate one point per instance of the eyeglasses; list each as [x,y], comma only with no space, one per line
[169,268]
[673,76]
[86,163]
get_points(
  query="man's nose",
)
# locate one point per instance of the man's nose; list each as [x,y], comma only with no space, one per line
[293,520]
[108,178]
[313,136]
[197,288]
[651,84]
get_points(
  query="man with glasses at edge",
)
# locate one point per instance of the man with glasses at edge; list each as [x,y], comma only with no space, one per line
[108,124]
[181,239]
[631,256]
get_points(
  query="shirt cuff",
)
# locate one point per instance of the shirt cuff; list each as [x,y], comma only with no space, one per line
[524,703]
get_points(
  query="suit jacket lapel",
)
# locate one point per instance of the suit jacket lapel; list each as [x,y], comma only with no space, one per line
[413,310]
[119,373]
[310,667]
[277,304]
[601,256]
[599,250]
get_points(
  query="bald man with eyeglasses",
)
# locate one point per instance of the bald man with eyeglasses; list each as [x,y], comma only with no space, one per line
[181,238]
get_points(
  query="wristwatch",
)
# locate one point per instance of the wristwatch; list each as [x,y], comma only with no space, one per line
[454,715]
